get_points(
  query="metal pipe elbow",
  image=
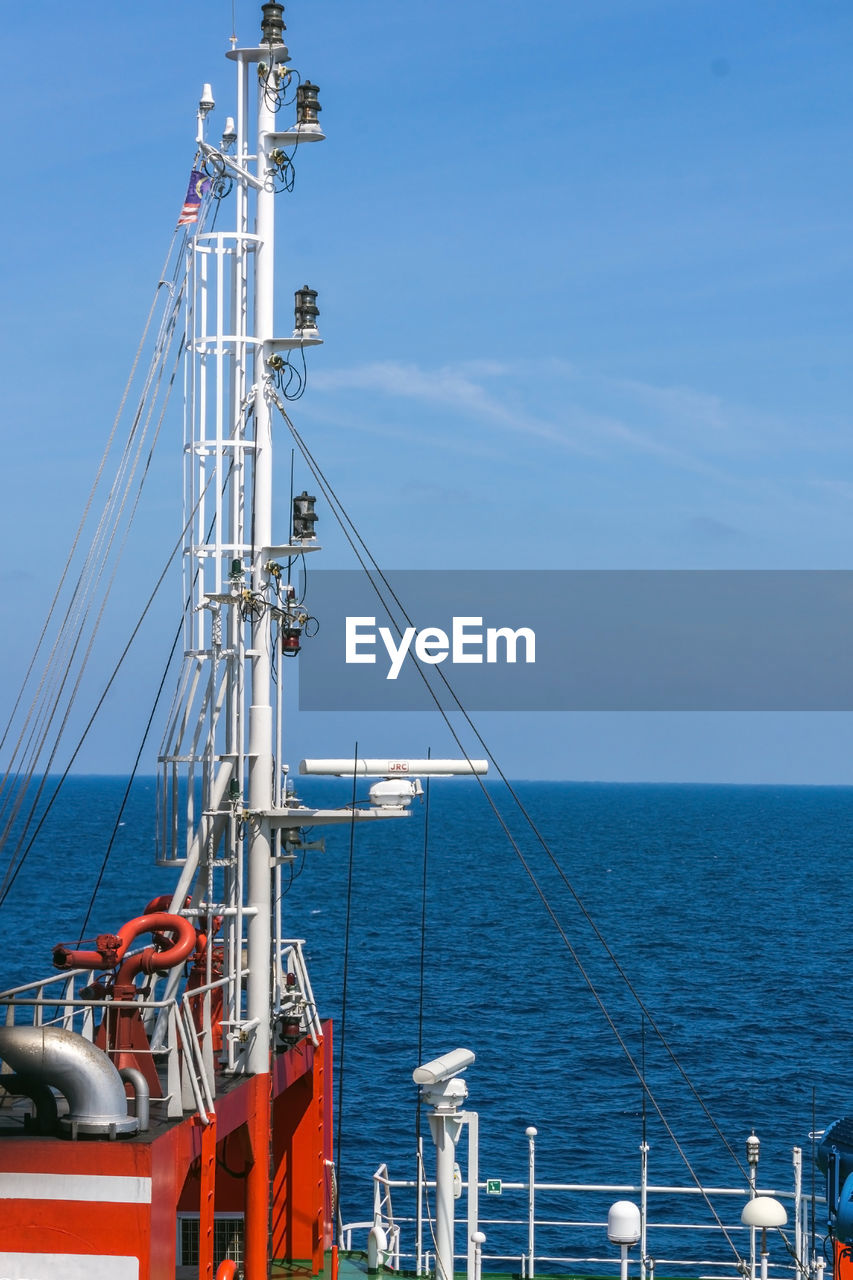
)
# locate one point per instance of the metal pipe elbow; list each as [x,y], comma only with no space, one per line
[92,1086]
[141,1094]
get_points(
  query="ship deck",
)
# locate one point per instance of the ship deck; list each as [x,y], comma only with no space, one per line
[353,1266]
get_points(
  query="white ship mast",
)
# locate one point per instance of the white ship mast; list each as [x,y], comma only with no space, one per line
[226,815]
[221,777]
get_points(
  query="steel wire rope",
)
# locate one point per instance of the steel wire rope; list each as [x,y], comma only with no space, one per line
[8,881]
[425,1185]
[344,520]
[85,581]
[76,635]
[94,487]
[345,976]
[71,632]
[130,781]
[513,794]
[422,967]
[76,620]
[58,661]
[98,620]
[145,734]
[803,1270]
[165,327]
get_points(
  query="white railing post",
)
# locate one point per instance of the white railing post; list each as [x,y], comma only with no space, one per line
[478,1240]
[419,1211]
[644,1204]
[531,1132]
[472,1119]
[799,1251]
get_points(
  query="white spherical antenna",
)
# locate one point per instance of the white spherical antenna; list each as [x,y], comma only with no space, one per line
[765,1212]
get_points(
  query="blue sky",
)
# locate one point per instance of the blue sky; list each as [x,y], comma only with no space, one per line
[584,275]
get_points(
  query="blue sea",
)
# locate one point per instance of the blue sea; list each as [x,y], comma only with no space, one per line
[725,907]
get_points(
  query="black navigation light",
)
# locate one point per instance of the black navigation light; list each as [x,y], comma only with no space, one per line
[272,24]
[307,105]
[304,516]
[305,310]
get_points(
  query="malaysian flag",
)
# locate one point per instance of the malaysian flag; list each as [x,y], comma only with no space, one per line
[199,185]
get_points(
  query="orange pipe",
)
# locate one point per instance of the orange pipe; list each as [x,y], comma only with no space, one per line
[115,945]
[151,960]
[162,903]
[226,1270]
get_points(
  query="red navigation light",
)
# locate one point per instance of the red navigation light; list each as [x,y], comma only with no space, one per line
[290,645]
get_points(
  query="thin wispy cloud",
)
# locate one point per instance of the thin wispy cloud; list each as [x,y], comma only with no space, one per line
[478,389]
[608,420]
[460,387]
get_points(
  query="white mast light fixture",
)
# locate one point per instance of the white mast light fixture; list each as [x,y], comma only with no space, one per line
[304,516]
[307,103]
[272,24]
[206,102]
[305,312]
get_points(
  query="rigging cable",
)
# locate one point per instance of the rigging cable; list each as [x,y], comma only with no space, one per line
[347,525]
[130,782]
[71,633]
[88,651]
[93,490]
[423,948]
[46,700]
[342,516]
[155,704]
[11,875]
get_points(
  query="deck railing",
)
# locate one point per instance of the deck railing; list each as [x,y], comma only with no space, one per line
[178,1025]
[676,1243]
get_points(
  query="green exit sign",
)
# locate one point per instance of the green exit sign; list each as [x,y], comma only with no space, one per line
[493,1186]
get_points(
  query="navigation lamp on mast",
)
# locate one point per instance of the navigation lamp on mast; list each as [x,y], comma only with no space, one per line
[753,1148]
[290,637]
[307,104]
[305,312]
[206,102]
[205,106]
[304,517]
[272,24]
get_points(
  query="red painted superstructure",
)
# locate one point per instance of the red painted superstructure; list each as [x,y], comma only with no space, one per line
[120,1200]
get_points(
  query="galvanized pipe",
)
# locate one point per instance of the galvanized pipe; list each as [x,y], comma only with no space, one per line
[83,1073]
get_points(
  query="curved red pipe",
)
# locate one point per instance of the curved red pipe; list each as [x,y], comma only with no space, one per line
[115,945]
[162,903]
[226,1270]
[151,960]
